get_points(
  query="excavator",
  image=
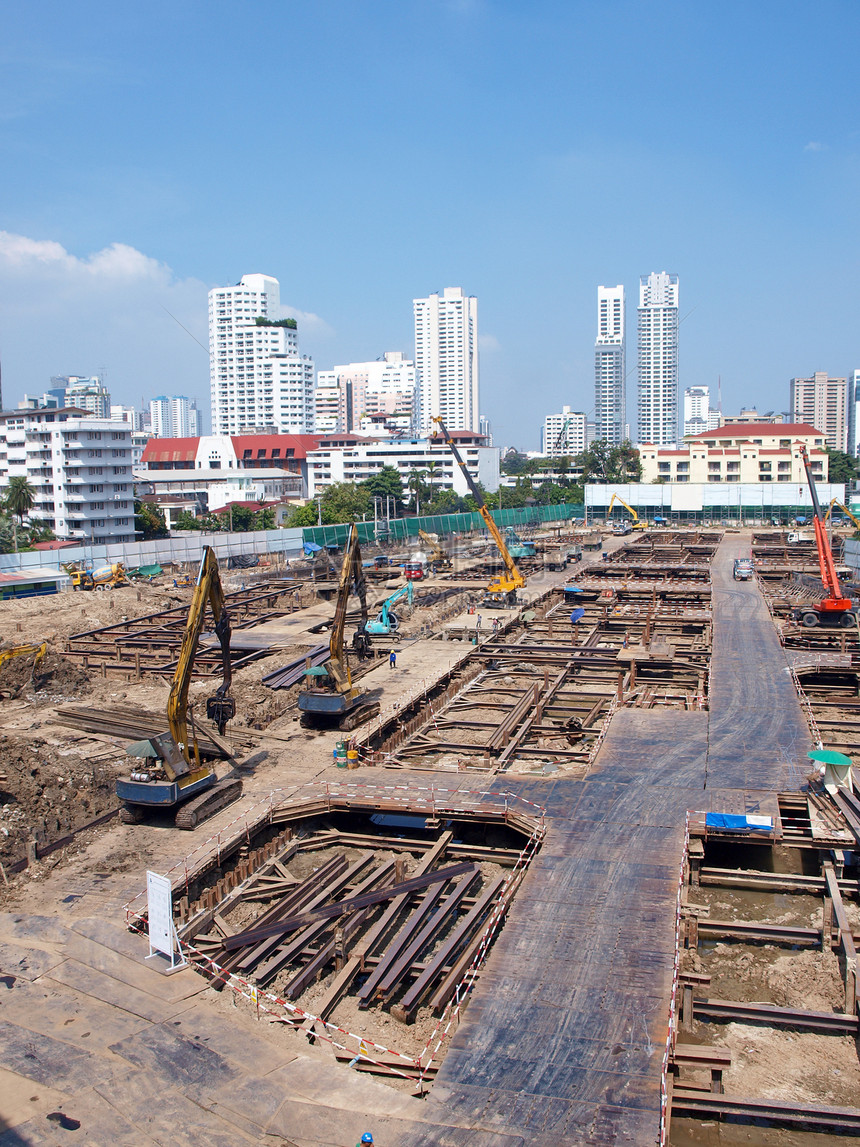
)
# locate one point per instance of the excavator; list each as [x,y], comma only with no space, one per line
[502,590]
[438,558]
[172,774]
[835,502]
[637,525]
[388,621]
[335,700]
[834,609]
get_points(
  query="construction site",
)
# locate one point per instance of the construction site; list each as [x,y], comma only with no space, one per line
[500,841]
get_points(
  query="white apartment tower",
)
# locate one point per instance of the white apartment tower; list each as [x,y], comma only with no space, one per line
[610,398]
[853,419]
[174,416]
[258,379]
[564,434]
[822,402]
[446,359]
[658,358]
[698,415]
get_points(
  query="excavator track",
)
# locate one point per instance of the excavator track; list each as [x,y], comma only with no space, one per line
[359,716]
[210,802]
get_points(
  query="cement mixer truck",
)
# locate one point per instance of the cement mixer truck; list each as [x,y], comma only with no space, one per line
[102,577]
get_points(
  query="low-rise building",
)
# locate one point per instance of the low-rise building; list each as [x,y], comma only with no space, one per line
[80,469]
[749,452]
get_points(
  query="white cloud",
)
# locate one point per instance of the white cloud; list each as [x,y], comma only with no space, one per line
[307,321]
[65,314]
[488,343]
[814,145]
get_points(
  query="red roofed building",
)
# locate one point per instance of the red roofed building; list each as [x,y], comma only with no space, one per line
[742,452]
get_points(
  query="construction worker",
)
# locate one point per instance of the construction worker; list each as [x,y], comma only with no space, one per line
[392,664]
[366,1138]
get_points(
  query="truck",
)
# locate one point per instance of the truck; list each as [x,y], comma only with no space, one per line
[102,577]
[743,569]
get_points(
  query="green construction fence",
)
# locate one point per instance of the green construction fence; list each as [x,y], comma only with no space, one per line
[399,529]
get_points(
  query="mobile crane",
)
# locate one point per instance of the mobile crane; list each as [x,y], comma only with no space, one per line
[637,525]
[335,700]
[388,621]
[502,590]
[173,774]
[834,609]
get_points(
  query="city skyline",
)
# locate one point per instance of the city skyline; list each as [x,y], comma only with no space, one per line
[534,199]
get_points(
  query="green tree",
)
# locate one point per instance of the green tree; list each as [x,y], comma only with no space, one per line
[149,521]
[264,519]
[514,463]
[20,496]
[418,488]
[433,468]
[303,516]
[387,483]
[841,467]
[187,521]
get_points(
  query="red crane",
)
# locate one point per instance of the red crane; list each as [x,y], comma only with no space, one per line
[835,608]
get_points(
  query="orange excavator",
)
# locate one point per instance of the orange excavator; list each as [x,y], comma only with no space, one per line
[834,609]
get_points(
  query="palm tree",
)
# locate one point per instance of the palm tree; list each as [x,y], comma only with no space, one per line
[415,483]
[20,497]
[432,469]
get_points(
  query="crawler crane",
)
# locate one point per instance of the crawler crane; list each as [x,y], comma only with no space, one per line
[834,609]
[502,590]
[172,775]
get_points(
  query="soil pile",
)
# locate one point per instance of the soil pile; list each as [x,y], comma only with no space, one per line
[53,678]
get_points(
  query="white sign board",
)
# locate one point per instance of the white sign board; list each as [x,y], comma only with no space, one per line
[159,896]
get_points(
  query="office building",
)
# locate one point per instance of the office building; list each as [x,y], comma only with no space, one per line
[446,359]
[698,415]
[258,378]
[79,467]
[823,402]
[564,435]
[174,417]
[853,447]
[348,395]
[610,369]
[750,414]
[658,359]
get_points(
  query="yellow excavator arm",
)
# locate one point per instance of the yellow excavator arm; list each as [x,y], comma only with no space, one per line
[351,577]
[512,579]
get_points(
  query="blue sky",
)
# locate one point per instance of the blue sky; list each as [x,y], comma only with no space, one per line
[368,153]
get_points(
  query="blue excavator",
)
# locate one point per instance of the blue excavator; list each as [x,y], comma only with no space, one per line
[388,621]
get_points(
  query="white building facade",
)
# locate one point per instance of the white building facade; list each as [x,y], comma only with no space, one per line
[610,366]
[258,379]
[173,417]
[759,453]
[698,415]
[80,468]
[822,401]
[348,394]
[658,358]
[853,446]
[446,359]
[564,434]
[332,462]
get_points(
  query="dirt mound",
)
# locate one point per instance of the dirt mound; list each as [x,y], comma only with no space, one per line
[54,676]
[50,790]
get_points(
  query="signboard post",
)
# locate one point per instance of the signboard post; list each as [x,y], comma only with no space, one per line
[163,938]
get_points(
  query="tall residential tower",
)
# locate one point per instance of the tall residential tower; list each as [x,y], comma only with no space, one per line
[446,359]
[822,402]
[610,400]
[258,379]
[658,359]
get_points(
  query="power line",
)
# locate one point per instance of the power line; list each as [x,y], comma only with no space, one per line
[187,331]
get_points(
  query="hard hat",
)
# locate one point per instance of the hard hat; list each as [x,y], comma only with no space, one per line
[367,1137]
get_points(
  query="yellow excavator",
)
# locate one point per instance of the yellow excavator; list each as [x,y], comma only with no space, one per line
[502,590]
[844,509]
[637,525]
[438,558]
[333,700]
[172,774]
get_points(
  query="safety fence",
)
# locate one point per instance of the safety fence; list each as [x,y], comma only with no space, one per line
[433,800]
[399,529]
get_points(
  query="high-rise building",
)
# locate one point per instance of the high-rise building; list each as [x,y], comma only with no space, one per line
[822,402]
[174,417]
[610,394]
[348,394]
[698,415]
[446,359]
[84,393]
[564,434]
[259,382]
[658,358]
[853,447]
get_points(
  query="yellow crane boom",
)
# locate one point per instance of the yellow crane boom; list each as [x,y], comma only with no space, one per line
[503,588]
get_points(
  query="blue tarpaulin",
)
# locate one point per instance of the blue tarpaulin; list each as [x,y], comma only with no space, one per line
[311,548]
[729,822]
